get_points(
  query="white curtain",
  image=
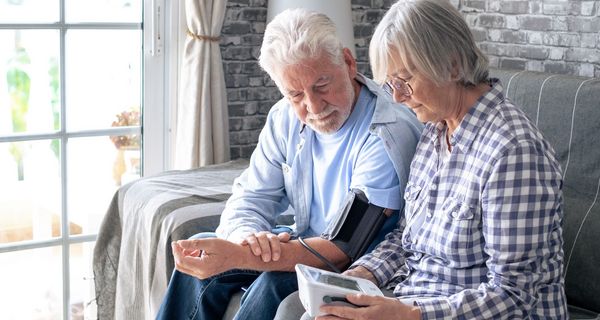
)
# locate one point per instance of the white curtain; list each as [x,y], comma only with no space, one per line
[202,132]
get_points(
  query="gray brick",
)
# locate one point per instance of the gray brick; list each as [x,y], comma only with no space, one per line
[251,67]
[232,14]
[559,67]
[561,39]
[238,3]
[479,34]
[237,53]
[583,55]
[235,28]
[254,14]
[252,39]
[556,8]
[246,151]
[244,137]
[230,40]
[251,123]
[556,53]
[374,16]
[512,22]
[514,7]
[236,109]
[587,70]
[584,24]
[356,4]
[258,3]
[513,36]
[230,67]
[535,37]
[535,23]
[260,94]
[535,65]
[533,52]
[235,124]
[513,64]
[237,94]
[259,27]
[491,21]
[560,23]
[265,106]
[255,81]
[535,7]
[363,30]
[589,8]
[478,5]
[236,80]
[234,152]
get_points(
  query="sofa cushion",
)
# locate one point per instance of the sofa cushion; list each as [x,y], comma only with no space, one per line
[567,111]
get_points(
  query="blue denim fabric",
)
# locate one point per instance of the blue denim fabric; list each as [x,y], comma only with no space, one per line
[188,297]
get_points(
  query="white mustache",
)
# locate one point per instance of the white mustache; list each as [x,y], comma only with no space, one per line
[323,114]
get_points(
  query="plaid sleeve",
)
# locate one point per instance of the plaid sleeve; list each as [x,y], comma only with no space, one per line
[521,222]
[387,257]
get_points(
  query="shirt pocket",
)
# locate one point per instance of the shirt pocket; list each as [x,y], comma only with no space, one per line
[459,223]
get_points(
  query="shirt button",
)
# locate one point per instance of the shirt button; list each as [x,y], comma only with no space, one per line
[286,169]
[429,214]
[454,214]
[433,186]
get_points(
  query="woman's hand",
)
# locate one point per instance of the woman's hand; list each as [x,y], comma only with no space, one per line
[371,308]
[361,272]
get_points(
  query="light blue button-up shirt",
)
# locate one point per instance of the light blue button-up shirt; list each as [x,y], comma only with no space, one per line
[280,174]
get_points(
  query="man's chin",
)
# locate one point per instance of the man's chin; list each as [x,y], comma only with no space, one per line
[324,128]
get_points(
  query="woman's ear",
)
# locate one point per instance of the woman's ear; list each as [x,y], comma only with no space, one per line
[456,71]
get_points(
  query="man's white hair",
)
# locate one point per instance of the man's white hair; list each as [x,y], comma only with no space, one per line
[295,35]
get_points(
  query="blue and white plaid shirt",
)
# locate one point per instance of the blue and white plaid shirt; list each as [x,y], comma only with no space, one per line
[489,241]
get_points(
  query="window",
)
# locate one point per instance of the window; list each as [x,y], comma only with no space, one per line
[82,112]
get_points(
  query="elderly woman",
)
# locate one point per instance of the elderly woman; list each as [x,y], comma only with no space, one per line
[482,236]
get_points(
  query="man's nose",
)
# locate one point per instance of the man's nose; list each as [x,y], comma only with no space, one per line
[314,103]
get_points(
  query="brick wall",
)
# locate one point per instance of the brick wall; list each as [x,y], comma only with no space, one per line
[556,36]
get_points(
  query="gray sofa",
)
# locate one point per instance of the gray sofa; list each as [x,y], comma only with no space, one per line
[132,261]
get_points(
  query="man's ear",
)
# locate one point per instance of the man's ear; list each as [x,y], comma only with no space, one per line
[350,62]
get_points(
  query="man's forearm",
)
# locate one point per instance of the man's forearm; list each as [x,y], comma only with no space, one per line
[293,252]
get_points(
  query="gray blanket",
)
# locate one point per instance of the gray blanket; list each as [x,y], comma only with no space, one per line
[132,257]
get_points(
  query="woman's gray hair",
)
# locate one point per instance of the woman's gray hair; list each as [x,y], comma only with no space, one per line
[427,37]
[295,35]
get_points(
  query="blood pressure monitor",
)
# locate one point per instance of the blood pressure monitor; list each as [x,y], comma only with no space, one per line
[317,287]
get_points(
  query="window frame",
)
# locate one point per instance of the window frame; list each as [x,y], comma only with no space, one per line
[159,97]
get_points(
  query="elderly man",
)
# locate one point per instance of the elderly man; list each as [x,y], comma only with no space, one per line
[334,131]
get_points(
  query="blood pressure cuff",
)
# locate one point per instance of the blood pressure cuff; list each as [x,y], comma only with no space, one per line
[356,225]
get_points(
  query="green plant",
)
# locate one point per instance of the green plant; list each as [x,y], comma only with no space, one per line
[18,83]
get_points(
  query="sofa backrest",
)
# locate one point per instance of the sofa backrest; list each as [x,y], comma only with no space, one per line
[567,111]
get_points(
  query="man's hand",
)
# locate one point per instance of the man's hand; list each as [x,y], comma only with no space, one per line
[204,258]
[266,244]
[361,272]
[371,307]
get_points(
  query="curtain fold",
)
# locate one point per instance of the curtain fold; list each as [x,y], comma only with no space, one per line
[202,132]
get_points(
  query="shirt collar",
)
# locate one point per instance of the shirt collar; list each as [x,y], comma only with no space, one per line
[384,112]
[474,120]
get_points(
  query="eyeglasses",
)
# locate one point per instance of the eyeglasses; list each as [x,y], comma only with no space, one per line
[399,85]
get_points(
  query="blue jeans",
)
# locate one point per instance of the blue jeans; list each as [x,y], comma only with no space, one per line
[188,297]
